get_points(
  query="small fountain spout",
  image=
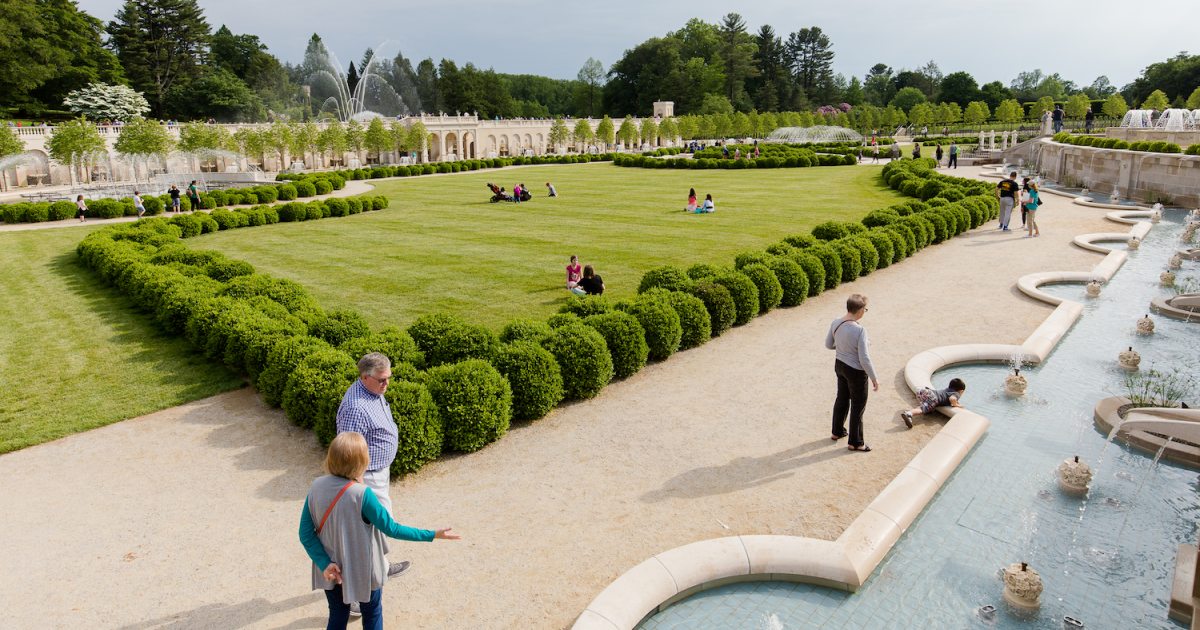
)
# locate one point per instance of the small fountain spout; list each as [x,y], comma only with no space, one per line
[1129,359]
[1074,476]
[1022,586]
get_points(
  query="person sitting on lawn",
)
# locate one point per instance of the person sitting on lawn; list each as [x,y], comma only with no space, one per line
[691,205]
[931,399]
[590,284]
[553,193]
[574,273]
[707,207]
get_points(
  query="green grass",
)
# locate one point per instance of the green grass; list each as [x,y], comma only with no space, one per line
[74,354]
[442,246]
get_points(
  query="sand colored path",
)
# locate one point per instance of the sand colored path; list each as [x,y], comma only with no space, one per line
[352,187]
[187,517]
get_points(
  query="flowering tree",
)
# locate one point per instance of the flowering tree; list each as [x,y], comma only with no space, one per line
[104,101]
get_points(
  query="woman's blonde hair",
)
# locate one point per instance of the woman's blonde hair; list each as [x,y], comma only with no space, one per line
[348,456]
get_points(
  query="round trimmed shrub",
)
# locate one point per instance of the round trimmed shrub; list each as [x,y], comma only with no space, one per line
[883,216]
[660,322]
[37,212]
[208,225]
[282,360]
[323,186]
[868,256]
[830,231]
[337,207]
[354,205]
[792,280]
[813,268]
[770,292]
[448,339]
[189,224]
[294,211]
[719,303]
[305,188]
[583,360]
[625,339]
[704,271]
[667,277]
[228,269]
[533,376]
[340,325]
[525,330]
[693,319]
[391,341]
[289,294]
[850,258]
[418,425]
[883,247]
[584,305]
[316,387]
[750,258]
[474,402]
[287,192]
[60,210]
[801,241]
[941,230]
[744,293]
[831,261]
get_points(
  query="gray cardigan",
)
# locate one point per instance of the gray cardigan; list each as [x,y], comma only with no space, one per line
[355,545]
[849,338]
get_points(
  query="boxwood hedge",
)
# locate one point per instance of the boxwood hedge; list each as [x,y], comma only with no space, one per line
[625,339]
[534,377]
[474,402]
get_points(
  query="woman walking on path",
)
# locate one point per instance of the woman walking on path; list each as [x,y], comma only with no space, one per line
[1029,204]
[80,209]
[342,527]
[853,367]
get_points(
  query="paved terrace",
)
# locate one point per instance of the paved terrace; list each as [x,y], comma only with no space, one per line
[187,517]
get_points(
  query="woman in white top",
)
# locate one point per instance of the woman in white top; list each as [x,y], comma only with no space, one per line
[80,209]
[708,205]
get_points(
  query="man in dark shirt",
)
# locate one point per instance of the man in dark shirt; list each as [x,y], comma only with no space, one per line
[1007,191]
[1089,119]
[591,283]
[1057,117]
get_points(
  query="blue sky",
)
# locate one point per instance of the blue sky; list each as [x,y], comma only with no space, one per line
[1080,39]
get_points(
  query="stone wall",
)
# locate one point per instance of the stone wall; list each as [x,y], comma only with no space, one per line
[1130,134]
[1147,177]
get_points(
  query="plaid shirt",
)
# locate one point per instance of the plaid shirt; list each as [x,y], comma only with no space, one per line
[369,414]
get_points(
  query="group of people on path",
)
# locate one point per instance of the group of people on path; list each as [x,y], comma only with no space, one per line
[699,208]
[1026,194]
[193,195]
[853,369]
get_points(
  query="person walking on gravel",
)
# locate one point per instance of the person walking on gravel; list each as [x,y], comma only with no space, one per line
[852,367]
[1007,190]
[365,410]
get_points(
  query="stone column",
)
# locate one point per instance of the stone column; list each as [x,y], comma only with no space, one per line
[442,146]
[459,138]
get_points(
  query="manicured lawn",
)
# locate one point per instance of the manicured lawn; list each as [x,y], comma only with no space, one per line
[74,355]
[442,246]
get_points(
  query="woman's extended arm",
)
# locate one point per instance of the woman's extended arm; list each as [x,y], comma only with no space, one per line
[375,514]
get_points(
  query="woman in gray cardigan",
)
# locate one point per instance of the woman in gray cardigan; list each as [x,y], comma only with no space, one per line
[342,527]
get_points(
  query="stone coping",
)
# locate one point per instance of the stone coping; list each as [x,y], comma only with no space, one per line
[849,561]
[1162,306]
[1146,425]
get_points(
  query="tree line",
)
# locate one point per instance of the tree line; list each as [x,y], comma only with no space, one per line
[167,50]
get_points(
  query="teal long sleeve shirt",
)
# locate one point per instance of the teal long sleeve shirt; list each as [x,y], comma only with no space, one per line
[373,513]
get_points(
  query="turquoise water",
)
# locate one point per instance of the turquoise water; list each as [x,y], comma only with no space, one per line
[1107,561]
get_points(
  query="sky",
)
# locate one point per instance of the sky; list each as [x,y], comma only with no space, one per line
[1079,39]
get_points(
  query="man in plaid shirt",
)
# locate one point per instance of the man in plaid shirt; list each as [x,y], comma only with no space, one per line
[365,410]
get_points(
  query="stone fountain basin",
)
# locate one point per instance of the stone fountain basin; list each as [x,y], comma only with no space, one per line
[1190,254]
[1185,306]
[1147,429]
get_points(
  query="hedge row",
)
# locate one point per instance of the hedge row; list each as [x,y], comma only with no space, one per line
[430,168]
[798,160]
[456,385]
[1158,146]
[36,212]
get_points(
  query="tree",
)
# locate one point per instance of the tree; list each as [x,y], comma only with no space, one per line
[160,43]
[668,129]
[558,133]
[811,54]
[628,133]
[976,113]
[216,93]
[907,98]
[74,143]
[141,139]
[107,102]
[582,133]
[418,137]
[772,81]
[649,132]
[716,104]
[427,87]
[1100,88]
[1193,101]
[247,59]
[920,114]
[605,133]
[1176,78]
[351,78]
[854,94]
[304,141]
[1009,111]
[1157,100]
[737,51]
[948,113]
[1026,82]
[878,85]
[252,143]
[1078,105]
[332,139]
[355,139]
[1115,106]
[1043,105]
[958,87]
[590,76]
[994,93]
[377,138]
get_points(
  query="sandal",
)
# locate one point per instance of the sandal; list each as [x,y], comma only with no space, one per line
[835,437]
[864,448]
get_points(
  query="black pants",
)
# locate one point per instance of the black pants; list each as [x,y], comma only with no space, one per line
[851,398]
[953,163]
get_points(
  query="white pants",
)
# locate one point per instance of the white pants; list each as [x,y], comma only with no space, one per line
[378,482]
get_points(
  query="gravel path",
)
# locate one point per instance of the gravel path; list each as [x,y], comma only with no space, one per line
[187,517]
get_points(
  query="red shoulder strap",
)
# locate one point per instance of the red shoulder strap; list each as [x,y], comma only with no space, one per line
[329,509]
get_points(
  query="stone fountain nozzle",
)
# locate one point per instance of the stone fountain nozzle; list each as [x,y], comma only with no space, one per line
[1076,459]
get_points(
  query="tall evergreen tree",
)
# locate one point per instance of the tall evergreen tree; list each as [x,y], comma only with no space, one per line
[427,87]
[811,55]
[737,51]
[160,43]
[772,80]
[351,78]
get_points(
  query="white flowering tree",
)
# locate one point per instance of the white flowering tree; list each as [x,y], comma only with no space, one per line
[100,101]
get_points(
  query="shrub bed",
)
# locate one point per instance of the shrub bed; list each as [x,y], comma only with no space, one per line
[583,360]
[474,402]
[625,339]
[533,376]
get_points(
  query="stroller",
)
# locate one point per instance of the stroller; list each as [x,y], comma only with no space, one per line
[498,193]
